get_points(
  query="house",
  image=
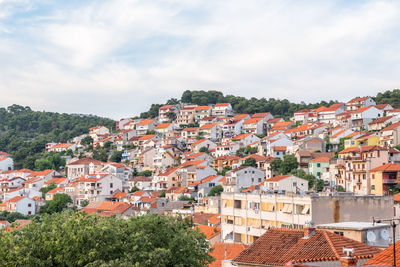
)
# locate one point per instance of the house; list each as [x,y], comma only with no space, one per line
[359,102]
[254,126]
[232,128]
[109,208]
[278,151]
[167,113]
[222,110]
[46,175]
[287,183]
[163,128]
[225,252]
[312,144]
[360,118]
[6,163]
[186,115]
[225,161]
[228,149]
[21,204]
[212,234]
[10,183]
[196,146]
[144,126]
[175,193]
[383,178]
[190,132]
[300,247]
[318,166]
[169,178]
[61,147]
[242,177]
[99,130]
[382,122]
[210,131]
[122,123]
[202,112]
[192,171]
[246,139]
[390,135]
[51,193]
[328,115]
[141,182]
[203,186]
[81,167]
[96,187]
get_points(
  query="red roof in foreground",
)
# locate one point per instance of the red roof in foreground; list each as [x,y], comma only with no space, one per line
[281,246]
[385,258]
[388,167]
[208,231]
[225,251]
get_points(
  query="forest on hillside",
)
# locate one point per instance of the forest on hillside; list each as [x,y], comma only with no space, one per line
[24,132]
[278,107]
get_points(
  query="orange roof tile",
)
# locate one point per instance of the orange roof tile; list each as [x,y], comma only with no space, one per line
[320,159]
[282,246]
[163,125]
[202,108]
[252,121]
[147,137]
[385,258]
[225,251]
[388,167]
[145,122]
[222,104]
[208,231]
[208,126]
[277,178]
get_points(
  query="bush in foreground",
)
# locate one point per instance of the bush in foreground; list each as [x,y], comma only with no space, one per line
[75,239]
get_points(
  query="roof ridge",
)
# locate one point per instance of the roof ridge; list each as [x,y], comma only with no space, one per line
[331,244]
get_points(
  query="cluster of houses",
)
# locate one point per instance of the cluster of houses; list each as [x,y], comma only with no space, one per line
[189,151]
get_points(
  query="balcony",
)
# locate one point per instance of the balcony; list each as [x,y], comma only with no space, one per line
[389,181]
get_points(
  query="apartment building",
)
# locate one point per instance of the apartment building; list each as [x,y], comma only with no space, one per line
[246,216]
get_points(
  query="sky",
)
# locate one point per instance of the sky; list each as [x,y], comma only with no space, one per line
[115,58]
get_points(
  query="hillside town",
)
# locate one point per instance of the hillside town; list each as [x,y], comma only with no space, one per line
[319,189]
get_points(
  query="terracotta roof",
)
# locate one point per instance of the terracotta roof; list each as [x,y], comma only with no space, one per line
[277,178]
[358,99]
[381,119]
[56,180]
[165,107]
[385,258]
[201,217]
[190,129]
[362,109]
[363,149]
[169,171]
[15,199]
[241,136]
[163,125]
[215,219]
[279,148]
[222,104]
[225,251]
[207,126]
[260,115]
[65,145]
[40,173]
[85,161]
[147,137]
[281,246]
[202,108]
[388,167]
[141,179]
[56,190]
[240,116]
[391,127]
[199,141]
[252,121]
[208,231]
[338,133]
[145,122]
[320,159]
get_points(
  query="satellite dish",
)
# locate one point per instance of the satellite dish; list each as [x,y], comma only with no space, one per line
[371,237]
[385,234]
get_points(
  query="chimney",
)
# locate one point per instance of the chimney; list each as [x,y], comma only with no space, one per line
[309,230]
[349,259]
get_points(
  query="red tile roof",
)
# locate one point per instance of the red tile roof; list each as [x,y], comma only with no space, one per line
[85,161]
[208,231]
[388,167]
[225,251]
[222,104]
[391,127]
[144,122]
[385,258]
[320,159]
[281,246]
[252,121]
[163,125]
[207,126]
[202,108]
[277,178]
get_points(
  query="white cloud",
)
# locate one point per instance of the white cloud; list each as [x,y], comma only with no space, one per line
[115,58]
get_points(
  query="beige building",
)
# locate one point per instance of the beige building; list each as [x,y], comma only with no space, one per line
[245,217]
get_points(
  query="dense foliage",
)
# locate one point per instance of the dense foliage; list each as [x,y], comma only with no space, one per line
[75,239]
[216,191]
[12,216]
[286,165]
[389,97]
[24,132]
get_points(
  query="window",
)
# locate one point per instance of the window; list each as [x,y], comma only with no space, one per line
[29,205]
[318,165]
[338,233]
[372,187]
[111,185]
[29,212]
[237,204]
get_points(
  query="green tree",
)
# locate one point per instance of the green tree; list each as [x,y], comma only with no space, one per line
[162,194]
[203,149]
[87,141]
[59,203]
[250,162]
[116,156]
[46,189]
[216,191]
[146,173]
[77,239]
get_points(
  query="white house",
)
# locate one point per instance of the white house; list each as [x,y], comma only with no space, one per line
[242,177]
[222,110]
[21,204]
[245,140]
[288,183]
[363,116]
[254,126]
[232,128]
[6,164]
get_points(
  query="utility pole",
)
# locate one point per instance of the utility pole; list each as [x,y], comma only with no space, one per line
[393,223]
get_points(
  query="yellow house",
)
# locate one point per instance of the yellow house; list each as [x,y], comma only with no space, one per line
[383,178]
[365,140]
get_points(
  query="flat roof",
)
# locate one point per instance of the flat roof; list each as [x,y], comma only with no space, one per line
[360,226]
